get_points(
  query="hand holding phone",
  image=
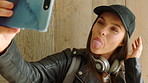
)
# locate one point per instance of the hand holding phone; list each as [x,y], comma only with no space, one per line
[29,14]
[6,33]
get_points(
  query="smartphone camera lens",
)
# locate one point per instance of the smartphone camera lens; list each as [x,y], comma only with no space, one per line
[46,4]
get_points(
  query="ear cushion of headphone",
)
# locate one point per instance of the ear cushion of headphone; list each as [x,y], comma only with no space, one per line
[102,64]
[105,62]
[115,67]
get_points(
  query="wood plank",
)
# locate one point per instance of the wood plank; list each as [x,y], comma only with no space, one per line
[140,10]
[73,22]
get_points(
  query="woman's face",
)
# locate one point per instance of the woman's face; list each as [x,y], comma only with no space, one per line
[107,34]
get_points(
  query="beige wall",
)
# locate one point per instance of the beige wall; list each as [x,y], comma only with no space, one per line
[140,8]
[70,25]
[73,20]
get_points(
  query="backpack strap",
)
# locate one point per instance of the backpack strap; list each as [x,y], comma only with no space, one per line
[70,76]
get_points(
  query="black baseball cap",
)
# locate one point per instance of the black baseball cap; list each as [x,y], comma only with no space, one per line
[127,17]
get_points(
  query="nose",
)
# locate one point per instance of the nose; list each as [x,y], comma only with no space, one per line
[103,31]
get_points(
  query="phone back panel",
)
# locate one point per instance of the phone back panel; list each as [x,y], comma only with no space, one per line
[29,14]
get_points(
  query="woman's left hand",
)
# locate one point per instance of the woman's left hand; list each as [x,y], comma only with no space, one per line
[137,48]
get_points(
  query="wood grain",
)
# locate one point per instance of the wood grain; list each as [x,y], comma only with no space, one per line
[70,26]
[140,10]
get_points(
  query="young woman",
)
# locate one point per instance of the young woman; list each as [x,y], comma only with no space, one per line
[101,62]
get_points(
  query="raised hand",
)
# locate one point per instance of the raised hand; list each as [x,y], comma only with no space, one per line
[137,48]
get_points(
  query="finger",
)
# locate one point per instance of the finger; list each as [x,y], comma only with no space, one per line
[6,4]
[136,42]
[140,40]
[6,13]
[2,0]
[8,30]
[140,44]
[133,46]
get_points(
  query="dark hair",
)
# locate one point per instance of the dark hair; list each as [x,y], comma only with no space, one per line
[120,53]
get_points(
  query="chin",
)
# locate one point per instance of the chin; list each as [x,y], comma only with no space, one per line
[95,51]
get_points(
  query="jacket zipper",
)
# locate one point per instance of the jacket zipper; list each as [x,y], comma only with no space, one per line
[79,79]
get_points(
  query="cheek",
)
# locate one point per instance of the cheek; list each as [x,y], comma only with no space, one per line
[111,44]
[95,31]
[115,41]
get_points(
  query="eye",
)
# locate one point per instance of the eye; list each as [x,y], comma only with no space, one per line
[114,29]
[100,22]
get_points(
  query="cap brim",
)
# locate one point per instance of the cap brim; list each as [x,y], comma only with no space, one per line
[99,10]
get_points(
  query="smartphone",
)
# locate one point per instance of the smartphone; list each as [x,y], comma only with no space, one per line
[29,14]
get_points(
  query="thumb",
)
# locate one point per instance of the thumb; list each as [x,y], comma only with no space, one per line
[9,30]
[6,35]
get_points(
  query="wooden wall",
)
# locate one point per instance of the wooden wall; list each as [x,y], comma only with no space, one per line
[70,25]
[140,8]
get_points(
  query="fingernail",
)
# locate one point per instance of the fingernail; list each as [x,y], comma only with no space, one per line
[16,30]
[9,12]
[10,5]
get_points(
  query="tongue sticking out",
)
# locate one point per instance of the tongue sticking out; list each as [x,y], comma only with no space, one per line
[96,44]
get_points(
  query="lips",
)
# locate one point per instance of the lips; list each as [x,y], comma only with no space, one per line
[96,43]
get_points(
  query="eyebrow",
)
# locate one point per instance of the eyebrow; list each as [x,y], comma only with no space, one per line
[102,17]
[112,23]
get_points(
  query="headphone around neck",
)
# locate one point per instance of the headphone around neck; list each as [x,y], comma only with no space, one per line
[102,65]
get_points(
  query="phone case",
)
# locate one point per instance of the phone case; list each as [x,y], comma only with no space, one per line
[29,14]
